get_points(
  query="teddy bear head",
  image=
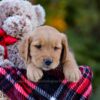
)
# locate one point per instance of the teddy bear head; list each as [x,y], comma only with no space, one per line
[18,17]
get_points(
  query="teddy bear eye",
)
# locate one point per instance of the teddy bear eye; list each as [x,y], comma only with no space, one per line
[1,38]
[21,35]
[38,46]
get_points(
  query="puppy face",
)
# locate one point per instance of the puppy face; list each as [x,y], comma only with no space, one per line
[45,48]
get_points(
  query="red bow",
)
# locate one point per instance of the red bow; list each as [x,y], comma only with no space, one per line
[6,40]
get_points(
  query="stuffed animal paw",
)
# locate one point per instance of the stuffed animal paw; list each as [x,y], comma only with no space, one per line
[4,62]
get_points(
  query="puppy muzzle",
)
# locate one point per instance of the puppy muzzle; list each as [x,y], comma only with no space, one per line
[47,61]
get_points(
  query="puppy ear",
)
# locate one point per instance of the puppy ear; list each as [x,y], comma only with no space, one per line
[67,57]
[40,13]
[65,49]
[24,49]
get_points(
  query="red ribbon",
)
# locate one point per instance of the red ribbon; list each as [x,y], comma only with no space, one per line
[6,40]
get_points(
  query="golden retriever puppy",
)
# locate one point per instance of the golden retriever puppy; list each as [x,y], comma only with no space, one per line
[45,49]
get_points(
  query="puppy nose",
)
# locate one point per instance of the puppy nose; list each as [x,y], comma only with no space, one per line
[48,61]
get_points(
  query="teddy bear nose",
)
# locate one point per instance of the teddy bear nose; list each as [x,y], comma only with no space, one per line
[48,61]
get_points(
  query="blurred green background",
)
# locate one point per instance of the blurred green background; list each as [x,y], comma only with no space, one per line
[80,20]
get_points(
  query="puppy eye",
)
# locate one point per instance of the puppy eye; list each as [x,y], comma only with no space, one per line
[38,46]
[56,48]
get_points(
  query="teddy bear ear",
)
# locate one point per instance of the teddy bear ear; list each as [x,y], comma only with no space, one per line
[40,13]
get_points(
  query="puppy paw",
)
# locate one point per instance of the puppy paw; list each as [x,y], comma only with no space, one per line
[34,74]
[72,75]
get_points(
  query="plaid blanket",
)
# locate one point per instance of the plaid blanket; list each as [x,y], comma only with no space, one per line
[52,86]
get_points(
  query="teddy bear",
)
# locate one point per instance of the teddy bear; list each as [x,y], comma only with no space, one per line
[17,18]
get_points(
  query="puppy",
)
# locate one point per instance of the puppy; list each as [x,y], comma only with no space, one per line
[45,49]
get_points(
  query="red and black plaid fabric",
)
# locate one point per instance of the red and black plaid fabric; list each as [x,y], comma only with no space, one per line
[52,86]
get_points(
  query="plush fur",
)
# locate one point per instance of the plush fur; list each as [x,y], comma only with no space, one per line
[45,49]
[17,18]
[4,62]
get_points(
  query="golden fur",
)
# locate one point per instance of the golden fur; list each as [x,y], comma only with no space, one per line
[48,43]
